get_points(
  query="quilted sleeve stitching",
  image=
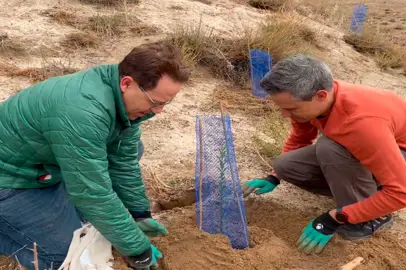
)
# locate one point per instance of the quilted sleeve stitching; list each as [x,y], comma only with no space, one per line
[78,141]
[125,170]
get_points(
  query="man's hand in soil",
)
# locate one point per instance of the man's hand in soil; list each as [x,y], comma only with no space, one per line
[151,227]
[145,261]
[317,234]
[260,186]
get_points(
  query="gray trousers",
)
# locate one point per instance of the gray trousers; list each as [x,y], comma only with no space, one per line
[327,168]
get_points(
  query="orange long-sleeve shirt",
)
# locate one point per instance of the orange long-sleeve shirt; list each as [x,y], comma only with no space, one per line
[371,124]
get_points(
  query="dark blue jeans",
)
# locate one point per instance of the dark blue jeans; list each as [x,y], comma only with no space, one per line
[43,216]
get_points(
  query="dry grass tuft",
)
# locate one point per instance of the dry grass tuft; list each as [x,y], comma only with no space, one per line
[49,68]
[229,58]
[106,25]
[271,135]
[333,14]
[65,17]
[372,43]
[271,132]
[144,30]
[177,7]
[9,47]
[192,41]
[273,5]
[110,2]
[8,263]
[236,100]
[80,40]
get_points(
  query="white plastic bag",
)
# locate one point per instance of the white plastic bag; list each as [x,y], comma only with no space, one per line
[90,252]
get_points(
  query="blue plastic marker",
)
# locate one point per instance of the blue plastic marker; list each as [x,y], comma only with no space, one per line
[358,18]
[261,63]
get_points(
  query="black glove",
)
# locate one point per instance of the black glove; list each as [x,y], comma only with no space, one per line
[145,261]
[138,215]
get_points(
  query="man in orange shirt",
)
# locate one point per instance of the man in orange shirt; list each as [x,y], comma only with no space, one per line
[359,159]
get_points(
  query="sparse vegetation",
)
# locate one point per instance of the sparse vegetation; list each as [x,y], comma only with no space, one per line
[372,43]
[334,15]
[65,17]
[102,25]
[106,25]
[80,40]
[229,59]
[141,29]
[9,47]
[271,133]
[177,7]
[273,5]
[274,127]
[49,68]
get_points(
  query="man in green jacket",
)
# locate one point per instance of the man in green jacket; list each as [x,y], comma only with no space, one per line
[70,145]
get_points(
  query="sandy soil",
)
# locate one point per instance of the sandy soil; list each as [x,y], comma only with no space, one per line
[387,16]
[275,220]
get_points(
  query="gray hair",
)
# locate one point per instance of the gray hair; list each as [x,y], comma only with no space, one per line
[300,75]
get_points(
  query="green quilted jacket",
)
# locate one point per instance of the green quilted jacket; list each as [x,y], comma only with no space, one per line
[76,128]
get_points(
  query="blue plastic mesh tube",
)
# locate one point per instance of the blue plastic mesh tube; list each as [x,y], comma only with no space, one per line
[219,201]
[260,64]
[358,18]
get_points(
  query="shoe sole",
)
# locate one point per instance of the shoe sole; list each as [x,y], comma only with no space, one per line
[383,227]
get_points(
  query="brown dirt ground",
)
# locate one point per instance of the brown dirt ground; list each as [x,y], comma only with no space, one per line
[388,16]
[275,220]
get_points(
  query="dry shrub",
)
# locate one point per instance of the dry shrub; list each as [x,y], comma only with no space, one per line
[49,68]
[275,127]
[107,25]
[10,47]
[192,41]
[229,58]
[110,2]
[144,30]
[271,132]
[372,43]
[273,5]
[65,17]
[236,100]
[9,263]
[80,40]
[331,13]
[177,7]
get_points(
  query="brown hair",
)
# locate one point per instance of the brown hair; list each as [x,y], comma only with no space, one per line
[148,62]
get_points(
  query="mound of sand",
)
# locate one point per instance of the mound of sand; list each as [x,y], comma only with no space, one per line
[273,230]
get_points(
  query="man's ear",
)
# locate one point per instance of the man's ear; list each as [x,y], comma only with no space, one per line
[321,95]
[125,83]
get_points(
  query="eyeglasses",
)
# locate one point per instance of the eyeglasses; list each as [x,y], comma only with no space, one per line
[154,103]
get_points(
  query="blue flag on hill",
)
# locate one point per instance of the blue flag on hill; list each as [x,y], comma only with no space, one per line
[358,18]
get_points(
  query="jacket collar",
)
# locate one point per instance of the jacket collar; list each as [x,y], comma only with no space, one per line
[120,107]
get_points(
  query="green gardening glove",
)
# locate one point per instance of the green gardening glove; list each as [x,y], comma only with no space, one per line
[317,234]
[151,227]
[260,186]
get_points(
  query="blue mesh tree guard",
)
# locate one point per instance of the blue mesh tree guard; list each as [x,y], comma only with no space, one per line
[219,202]
[261,63]
[358,18]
